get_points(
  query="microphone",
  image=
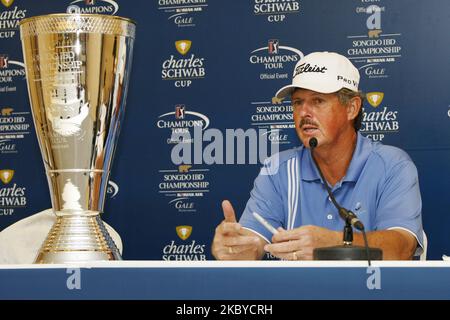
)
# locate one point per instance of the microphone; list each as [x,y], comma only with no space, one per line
[347,251]
[345,214]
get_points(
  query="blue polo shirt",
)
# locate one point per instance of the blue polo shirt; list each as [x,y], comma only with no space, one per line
[381,187]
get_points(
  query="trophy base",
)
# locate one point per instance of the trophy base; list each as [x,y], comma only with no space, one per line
[78,238]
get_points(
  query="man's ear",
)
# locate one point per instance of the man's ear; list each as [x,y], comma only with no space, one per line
[353,107]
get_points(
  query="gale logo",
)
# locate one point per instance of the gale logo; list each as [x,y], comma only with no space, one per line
[93,6]
[182,205]
[374,70]
[6,175]
[182,12]
[184,232]
[183,71]
[375,98]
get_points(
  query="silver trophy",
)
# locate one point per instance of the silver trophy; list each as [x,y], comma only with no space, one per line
[77,67]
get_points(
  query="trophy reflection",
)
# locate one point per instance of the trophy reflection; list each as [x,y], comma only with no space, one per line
[77,66]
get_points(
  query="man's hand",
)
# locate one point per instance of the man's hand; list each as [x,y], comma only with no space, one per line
[232,242]
[299,243]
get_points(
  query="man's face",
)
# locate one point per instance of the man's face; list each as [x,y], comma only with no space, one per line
[319,115]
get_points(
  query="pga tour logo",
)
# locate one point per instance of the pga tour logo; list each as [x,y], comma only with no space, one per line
[93,6]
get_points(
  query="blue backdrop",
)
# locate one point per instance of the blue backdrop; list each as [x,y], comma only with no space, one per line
[235,55]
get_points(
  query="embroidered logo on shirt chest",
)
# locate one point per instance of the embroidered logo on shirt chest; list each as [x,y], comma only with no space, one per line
[359,209]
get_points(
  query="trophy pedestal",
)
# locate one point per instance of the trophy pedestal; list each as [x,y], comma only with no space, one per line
[78,238]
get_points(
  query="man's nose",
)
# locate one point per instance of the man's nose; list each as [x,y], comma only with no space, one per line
[305,110]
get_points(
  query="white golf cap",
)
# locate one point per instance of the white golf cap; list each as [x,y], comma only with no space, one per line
[323,72]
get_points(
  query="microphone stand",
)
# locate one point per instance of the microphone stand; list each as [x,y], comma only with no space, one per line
[346,251]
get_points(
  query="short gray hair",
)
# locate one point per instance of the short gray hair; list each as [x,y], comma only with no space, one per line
[345,95]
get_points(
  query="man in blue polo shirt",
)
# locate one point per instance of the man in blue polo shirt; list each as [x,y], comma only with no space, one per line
[378,183]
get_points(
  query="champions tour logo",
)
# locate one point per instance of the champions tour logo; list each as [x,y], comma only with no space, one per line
[186,251]
[182,12]
[180,121]
[378,120]
[13,126]
[10,72]
[277,60]
[184,69]
[276,10]
[373,51]
[93,6]
[9,19]
[12,196]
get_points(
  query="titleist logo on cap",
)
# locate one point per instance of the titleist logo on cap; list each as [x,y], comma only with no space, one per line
[303,68]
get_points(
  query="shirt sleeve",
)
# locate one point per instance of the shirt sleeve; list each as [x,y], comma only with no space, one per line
[400,205]
[266,200]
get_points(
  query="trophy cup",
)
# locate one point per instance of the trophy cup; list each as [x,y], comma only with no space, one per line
[77,67]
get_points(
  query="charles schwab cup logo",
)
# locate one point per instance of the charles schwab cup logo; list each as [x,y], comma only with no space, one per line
[183,69]
[93,6]
[182,12]
[276,61]
[276,10]
[9,19]
[276,117]
[379,120]
[14,126]
[183,186]
[375,49]
[185,251]
[181,121]
[11,73]
[12,196]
